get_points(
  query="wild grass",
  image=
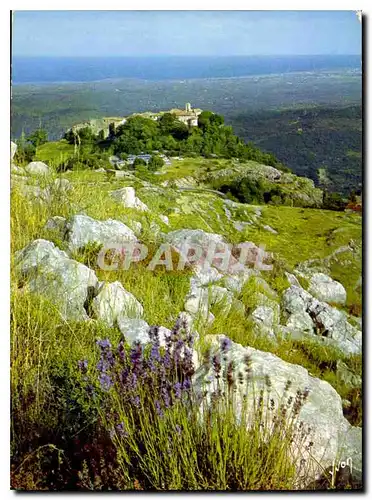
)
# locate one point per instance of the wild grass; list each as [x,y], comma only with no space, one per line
[56,426]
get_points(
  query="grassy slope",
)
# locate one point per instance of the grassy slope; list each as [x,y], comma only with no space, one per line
[45,350]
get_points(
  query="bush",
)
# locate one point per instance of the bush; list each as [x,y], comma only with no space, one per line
[139,162]
[155,163]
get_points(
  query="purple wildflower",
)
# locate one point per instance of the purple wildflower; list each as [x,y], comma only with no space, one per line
[177,390]
[159,411]
[216,361]
[136,355]
[105,381]
[155,354]
[167,359]
[225,345]
[102,365]
[178,430]
[121,350]
[104,344]
[136,401]
[166,397]
[186,384]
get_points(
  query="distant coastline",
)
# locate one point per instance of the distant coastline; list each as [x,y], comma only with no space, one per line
[47,70]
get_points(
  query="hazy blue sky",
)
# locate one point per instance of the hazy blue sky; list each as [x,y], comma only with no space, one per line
[103,33]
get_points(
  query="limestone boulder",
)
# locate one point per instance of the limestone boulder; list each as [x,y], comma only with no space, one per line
[113,301]
[82,230]
[37,168]
[48,271]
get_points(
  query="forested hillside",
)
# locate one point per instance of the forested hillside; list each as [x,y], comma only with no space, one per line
[322,143]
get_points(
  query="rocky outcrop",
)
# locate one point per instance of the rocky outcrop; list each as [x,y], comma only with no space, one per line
[329,323]
[327,437]
[49,271]
[82,230]
[326,289]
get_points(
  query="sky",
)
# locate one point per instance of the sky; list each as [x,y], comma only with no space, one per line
[209,33]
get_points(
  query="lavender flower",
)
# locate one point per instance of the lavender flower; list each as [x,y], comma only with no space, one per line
[103,365]
[136,356]
[104,344]
[225,345]
[105,381]
[177,390]
[186,384]
[136,401]
[155,354]
[158,409]
[166,397]
[121,350]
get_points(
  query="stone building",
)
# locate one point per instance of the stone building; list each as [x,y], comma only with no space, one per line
[188,115]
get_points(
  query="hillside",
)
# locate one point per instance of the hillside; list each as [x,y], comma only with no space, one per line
[114,365]
[308,139]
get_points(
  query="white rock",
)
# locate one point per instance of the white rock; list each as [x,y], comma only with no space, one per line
[264,315]
[127,196]
[333,438]
[134,330]
[328,321]
[326,289]
[113,301]
[82,230]
[37,168]
[66,283]
[13,149]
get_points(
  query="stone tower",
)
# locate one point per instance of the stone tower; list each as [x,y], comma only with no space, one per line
[188,107]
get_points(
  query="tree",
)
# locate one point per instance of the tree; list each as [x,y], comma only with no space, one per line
[138,162]
[155,163]
[166,123]
[38,137]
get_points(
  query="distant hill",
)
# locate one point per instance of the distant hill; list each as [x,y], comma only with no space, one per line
[311,138]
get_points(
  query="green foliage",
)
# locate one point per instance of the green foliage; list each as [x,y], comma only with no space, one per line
[140,134]
[84,135]
[328,148]
[334,201]
[38,137]
[139,162]
[155,163]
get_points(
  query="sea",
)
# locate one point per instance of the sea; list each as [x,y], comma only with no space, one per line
[42,70]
